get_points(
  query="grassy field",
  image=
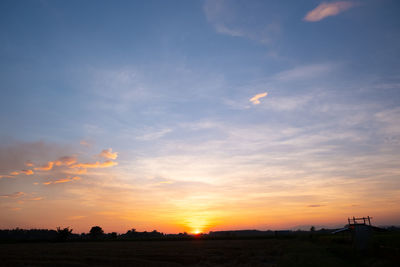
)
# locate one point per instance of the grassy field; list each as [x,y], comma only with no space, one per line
[305,251]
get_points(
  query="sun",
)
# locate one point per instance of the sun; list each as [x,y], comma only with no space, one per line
[196,232]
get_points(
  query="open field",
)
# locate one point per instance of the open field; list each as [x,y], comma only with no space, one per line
[316,251]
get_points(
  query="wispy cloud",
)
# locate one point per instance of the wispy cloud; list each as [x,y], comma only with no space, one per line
[305,71]
[66,161]
[230,18]
[85,143]
[315,205]
[108,154]
[27,172]
[13,195]
[29,163]
[152,135]
[256,99]
[324,10]
[97,164]
[60,181]
[46,167]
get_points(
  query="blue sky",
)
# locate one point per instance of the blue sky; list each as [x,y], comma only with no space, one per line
[167,85]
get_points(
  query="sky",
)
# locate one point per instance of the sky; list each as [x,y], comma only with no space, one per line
[197,115]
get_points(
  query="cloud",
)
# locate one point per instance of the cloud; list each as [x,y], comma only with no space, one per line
[256,99]
[36,198]
[60,181]
[220,28]
[66,161]
[108,154]
[27,172]
[13,195]
[324,10]
[14,154]
[315,206]
[85,143]
[237,20]
[75,171]
[29,163]
[46,167]
[154,135]
[97,164]
[305,72]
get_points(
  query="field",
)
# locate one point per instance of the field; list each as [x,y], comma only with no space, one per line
[292,251]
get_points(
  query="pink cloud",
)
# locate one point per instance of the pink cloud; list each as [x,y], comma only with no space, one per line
[324,10]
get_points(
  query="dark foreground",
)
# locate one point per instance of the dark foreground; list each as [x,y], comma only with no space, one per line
[258,252]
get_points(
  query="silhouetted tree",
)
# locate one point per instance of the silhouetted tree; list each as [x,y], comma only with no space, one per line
[312,229]
[96,232]
[113,235]
[63,234]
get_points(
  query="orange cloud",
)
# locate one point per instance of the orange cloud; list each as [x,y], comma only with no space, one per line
[29,164]
[46,167]
[65,161]
[60,181]
[13,195]
[27,172]
[108,154]
[256,99]
[97,164]
[36,198]
[324,10]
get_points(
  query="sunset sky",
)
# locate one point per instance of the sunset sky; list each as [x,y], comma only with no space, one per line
[199,115]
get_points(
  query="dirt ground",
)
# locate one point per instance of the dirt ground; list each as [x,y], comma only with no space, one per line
[264,252]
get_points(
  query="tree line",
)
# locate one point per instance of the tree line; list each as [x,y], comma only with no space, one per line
[65,234]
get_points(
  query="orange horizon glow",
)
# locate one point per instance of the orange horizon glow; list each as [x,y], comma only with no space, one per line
[118,206]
